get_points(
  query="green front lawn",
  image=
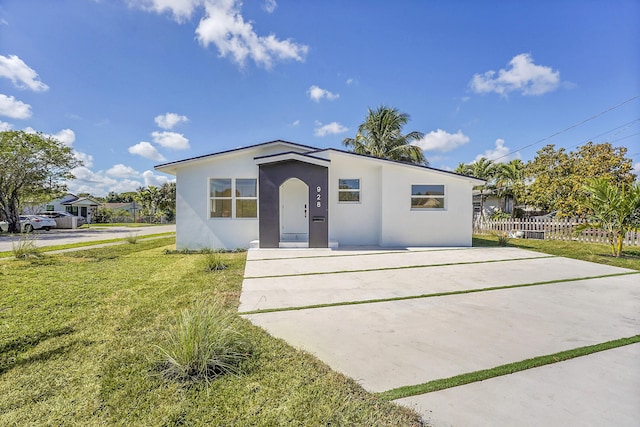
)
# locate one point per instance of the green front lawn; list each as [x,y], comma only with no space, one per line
[77,337]
[593,252]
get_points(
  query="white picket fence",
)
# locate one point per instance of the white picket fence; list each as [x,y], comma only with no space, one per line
[552,229]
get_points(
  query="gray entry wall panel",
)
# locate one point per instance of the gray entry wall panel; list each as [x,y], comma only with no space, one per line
[271,177]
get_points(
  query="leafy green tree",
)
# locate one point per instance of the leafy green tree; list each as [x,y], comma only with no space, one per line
[557,177]
[615,209]
[32,166]
[157,201]
[380,135]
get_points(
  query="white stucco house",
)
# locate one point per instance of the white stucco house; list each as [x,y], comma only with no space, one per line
[284,194]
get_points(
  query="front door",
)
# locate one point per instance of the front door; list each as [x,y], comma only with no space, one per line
[294,211]
[83,212]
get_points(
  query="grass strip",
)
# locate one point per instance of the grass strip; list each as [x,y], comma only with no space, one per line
[91,243]
[404,267]
[510,368]
[436,294]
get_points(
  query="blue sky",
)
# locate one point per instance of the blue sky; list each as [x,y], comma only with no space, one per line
[133,83]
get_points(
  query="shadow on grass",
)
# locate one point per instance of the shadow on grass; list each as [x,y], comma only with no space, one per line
[10,350]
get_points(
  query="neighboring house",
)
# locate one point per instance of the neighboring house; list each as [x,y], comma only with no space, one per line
[492,202]
[283,194]
[85,207]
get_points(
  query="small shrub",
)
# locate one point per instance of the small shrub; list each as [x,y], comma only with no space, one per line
[26,247]
[203,343]
[503,238]
[132,238]
[213,262]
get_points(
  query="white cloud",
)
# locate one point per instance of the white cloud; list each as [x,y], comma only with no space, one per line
[224,26]
[181,10]
[295,123]
[122,171]
[316,94]
[86,159]
[4,126]
[332,128]
[98,184]
[636,170]
[349,81]
[20,74]
[173,140]
[169,120]
[146,150]
[152,179]
[499,153]
[66,136]
[523,76]
[10,107]
[440,140]
[270,5]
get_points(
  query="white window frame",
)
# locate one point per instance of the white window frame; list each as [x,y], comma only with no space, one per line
[237,198]
[359,191]
[211,198]
[233,198]
[430,196]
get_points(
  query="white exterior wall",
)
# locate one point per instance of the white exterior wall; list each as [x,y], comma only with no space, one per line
[403,226]
[194,228]
[350,223]
[384,216]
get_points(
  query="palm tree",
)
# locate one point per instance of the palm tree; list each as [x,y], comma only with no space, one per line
[510,180]
[614,209]
[482,168]
[380,135]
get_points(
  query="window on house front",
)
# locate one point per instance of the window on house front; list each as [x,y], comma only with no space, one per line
[221,200]
[246,198]
[348,190]
[49,208]
[427,197]
[233,198]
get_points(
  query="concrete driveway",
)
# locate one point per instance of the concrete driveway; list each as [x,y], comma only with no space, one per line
[427,314]
[91,234]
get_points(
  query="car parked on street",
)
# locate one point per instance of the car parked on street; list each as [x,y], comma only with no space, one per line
[36,222]
[29,223]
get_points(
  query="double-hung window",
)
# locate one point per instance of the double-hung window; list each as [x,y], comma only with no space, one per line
[349,190]
[233,198]
[427,196]
[221,200]
[246,198]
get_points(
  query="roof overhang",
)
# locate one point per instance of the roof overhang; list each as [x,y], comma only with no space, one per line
[291,155]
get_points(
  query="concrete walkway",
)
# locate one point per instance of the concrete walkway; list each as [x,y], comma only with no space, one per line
[395,343]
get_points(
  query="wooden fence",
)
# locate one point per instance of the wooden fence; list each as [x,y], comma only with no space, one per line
[552,229]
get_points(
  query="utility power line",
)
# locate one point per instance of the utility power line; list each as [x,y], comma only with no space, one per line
[570,127]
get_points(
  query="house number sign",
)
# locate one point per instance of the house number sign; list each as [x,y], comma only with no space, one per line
[318,197]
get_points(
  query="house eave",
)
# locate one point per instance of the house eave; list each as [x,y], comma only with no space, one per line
[172,167]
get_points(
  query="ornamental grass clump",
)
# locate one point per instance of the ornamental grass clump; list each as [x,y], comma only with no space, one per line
[26,247]
[503,238]
[213,262]
[203,343]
